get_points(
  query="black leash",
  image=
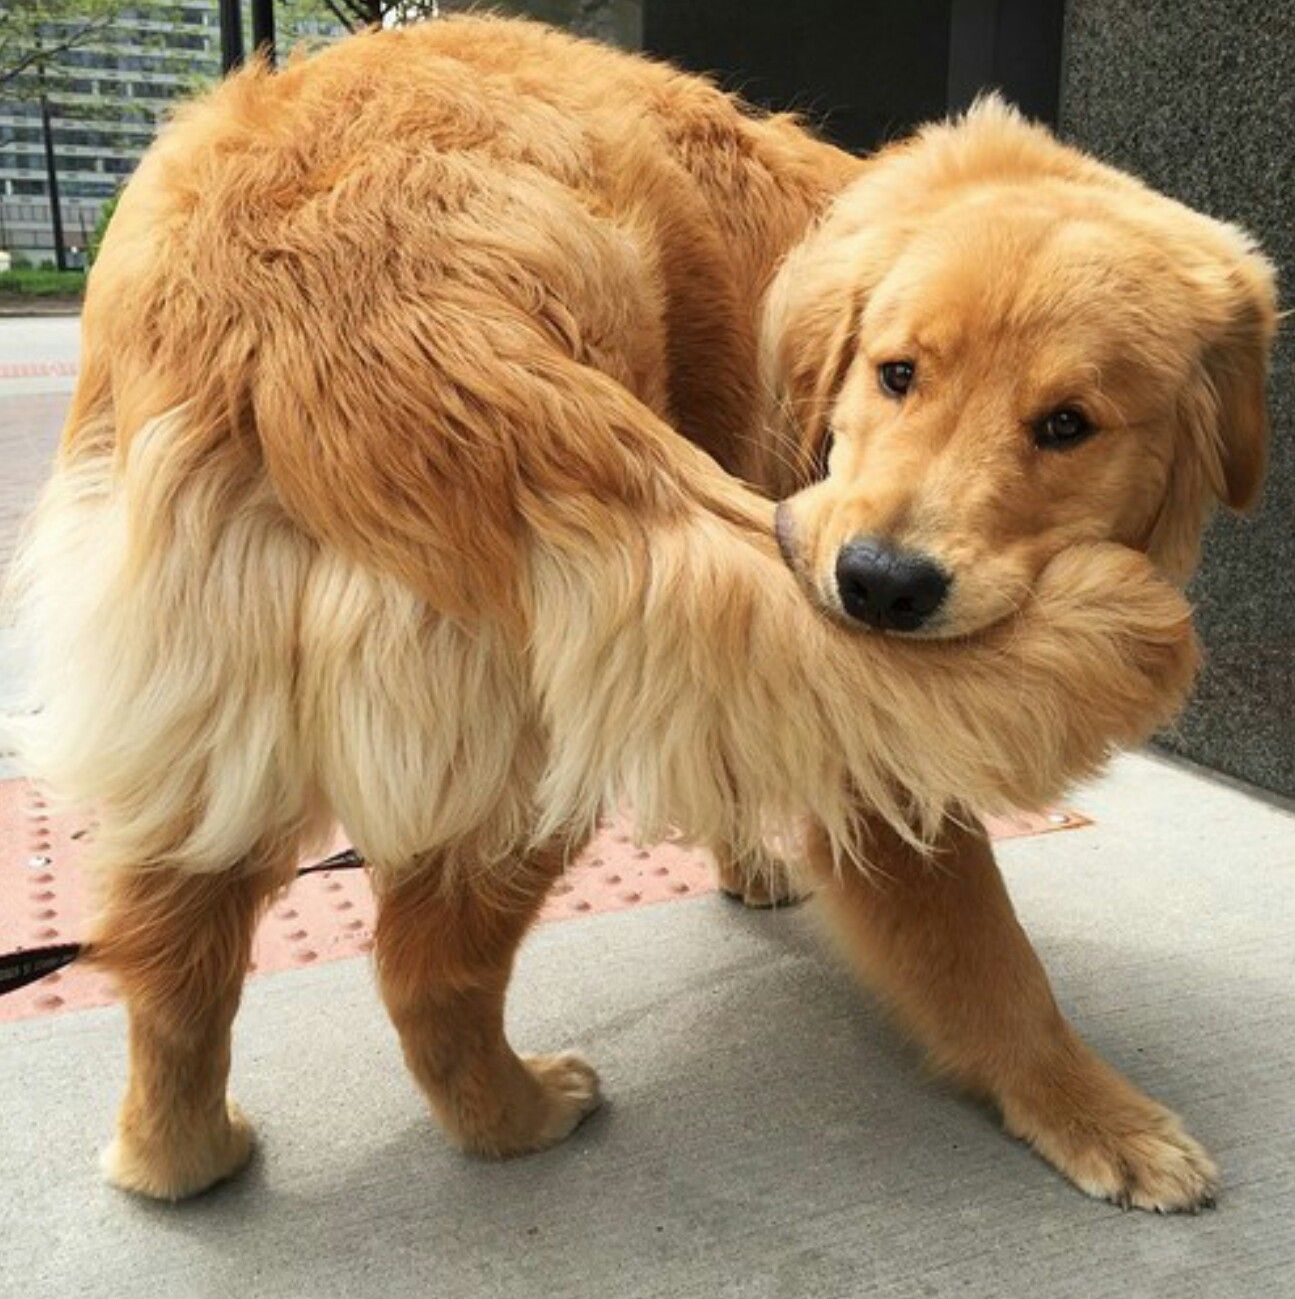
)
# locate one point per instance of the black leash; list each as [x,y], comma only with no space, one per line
[18,969]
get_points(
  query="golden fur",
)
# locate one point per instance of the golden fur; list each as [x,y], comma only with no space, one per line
[385,497]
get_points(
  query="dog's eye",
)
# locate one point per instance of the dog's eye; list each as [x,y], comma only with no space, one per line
[1063,428]
[895,377]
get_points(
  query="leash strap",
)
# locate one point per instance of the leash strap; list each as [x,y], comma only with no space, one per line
[18,969]
[346,860]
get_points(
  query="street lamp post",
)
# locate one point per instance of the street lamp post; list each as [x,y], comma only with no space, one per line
[51,173]
[231,32]
[231,35]
[263,28]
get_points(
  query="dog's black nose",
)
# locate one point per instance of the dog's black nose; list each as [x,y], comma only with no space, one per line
[894,590]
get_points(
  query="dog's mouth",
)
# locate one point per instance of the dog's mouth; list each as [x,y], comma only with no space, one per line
[942,629]
[784,531]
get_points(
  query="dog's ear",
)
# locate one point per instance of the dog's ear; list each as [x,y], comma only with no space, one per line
[1223,408]
[827,349]
[1227,403]
[809,339]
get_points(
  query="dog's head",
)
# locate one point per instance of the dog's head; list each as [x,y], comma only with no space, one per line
[993,348]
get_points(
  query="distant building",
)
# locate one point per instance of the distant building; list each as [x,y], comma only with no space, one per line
[106,100]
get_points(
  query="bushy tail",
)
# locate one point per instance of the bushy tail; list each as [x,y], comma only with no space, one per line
[674,661]
[687,675]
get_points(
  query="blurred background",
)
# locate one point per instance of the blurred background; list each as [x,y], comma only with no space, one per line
[1196,96]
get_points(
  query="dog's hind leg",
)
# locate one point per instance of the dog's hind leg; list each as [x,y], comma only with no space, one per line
[759,881]
[159,593]
[940,940]
[178,945]
[445,949]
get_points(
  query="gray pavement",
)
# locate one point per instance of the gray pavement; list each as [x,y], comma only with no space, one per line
[37,355]
[39,338]
[767,1135]
[29,431]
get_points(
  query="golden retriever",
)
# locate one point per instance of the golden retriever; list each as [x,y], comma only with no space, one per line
[403,487]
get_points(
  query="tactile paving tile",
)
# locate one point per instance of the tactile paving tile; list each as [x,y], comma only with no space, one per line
[37,369]
[323,916]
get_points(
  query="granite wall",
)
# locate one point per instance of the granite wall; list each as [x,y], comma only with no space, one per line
[1198,97]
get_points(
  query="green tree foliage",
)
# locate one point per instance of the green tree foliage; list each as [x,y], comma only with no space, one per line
[614,20]
[101,227]
[34,34]
[75,61]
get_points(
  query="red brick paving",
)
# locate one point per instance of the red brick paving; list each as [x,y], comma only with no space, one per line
[37,369]
[322,917]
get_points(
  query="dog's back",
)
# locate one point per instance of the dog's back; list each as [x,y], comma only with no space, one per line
[461,189]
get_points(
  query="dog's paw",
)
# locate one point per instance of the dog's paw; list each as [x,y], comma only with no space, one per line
[1152,1164]
[570,1092]
[761,883]
[184,1166]
[539,1106]
[1166,1171]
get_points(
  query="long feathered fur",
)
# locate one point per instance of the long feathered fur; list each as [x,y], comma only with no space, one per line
[369,506]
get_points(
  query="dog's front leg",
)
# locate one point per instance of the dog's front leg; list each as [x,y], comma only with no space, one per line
[940,940]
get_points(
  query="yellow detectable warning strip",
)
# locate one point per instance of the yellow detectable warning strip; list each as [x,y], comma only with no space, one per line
[323,916]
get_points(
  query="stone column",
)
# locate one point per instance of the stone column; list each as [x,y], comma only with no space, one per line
[1198,98]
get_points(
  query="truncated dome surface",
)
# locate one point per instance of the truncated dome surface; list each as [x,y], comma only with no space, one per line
[321,917]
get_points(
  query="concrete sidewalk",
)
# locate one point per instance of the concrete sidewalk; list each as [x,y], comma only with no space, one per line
[38,362]
[766,1133]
